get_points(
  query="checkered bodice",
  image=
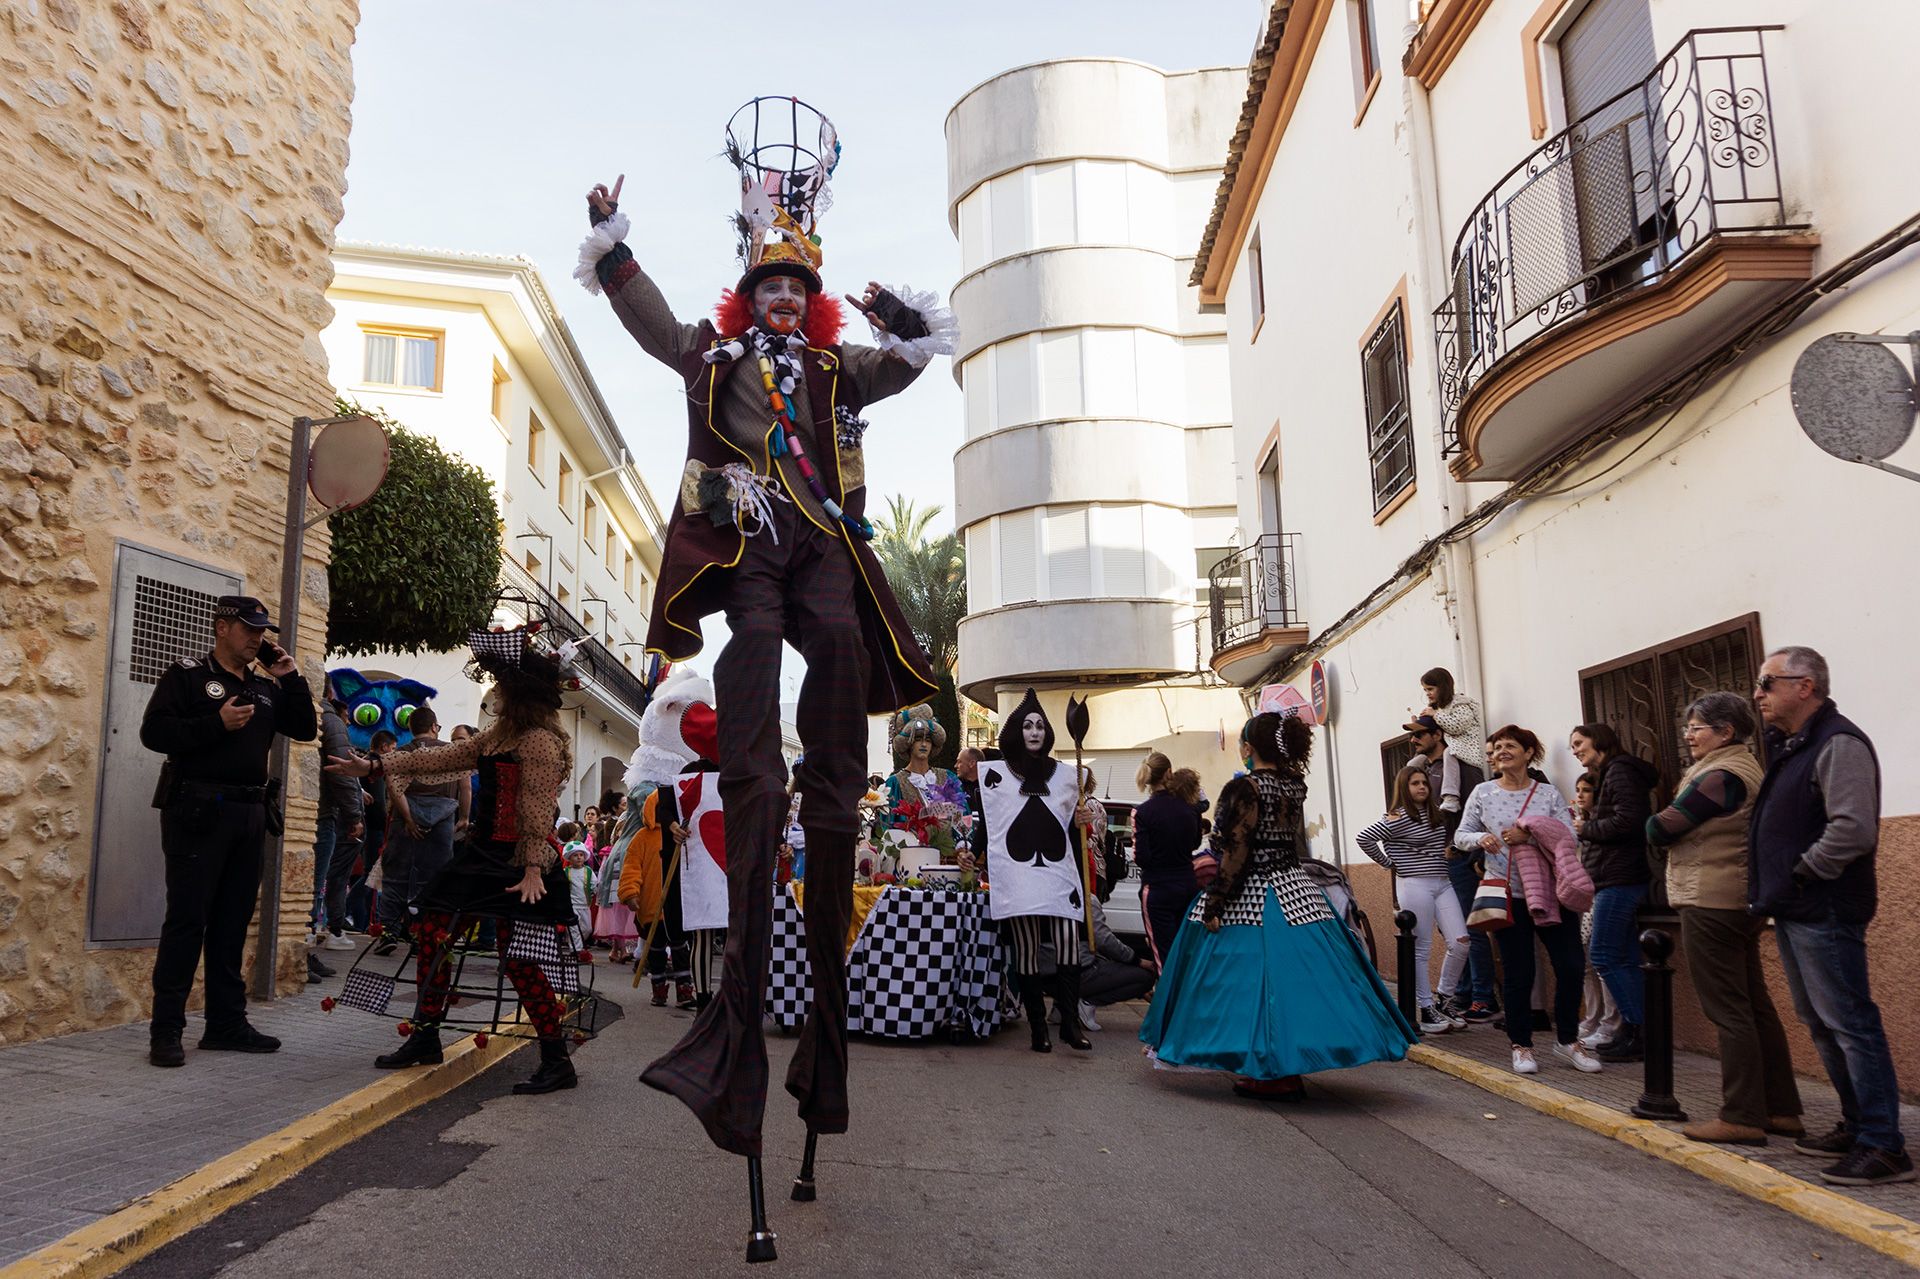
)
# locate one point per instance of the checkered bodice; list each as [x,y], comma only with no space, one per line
[1282,795]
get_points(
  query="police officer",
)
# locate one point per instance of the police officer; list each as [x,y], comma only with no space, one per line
[214,718]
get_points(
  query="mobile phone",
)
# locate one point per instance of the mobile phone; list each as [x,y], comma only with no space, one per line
[270,652]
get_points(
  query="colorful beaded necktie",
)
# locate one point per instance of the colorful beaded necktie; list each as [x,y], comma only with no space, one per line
[787,440]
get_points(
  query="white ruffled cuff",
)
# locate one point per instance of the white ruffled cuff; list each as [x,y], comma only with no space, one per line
[597,245]
[943,331]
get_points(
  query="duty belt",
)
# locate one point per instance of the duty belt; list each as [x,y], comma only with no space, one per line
[219,791]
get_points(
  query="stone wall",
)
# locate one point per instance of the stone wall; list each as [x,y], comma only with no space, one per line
[171,174]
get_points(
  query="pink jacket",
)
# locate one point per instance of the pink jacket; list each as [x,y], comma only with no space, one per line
[1555,853]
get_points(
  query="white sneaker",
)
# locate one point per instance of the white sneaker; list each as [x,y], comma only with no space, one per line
[1523,1062]
[1429,1022]
[1086,1016]
[340,941]
[1578,1057]
[1593,1040]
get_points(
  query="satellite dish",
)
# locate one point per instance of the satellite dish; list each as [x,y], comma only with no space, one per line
[347,463]
[1853,397]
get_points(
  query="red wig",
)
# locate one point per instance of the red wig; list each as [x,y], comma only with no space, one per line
[825,317]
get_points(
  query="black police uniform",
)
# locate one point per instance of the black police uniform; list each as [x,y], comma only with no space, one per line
[213,828]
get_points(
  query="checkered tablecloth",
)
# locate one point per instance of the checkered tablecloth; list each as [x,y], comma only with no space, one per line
[926,961]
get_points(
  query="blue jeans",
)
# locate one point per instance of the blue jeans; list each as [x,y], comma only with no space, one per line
[333,854]
[1466,881]
[408,864]
[1826,963]
[1615,948]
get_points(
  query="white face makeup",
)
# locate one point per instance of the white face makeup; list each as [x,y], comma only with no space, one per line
[779,304]
[1033,732]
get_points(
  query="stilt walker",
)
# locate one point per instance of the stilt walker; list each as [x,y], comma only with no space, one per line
[769,530]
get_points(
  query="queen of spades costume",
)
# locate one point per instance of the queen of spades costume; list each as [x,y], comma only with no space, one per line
[769,529]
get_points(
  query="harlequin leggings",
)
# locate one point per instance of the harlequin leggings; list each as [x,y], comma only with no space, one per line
[433,932]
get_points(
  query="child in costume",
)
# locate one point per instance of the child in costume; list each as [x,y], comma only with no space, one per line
[1264,981]
[577,858]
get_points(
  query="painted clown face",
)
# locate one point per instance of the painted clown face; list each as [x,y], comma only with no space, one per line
[780,304]
[1033,731]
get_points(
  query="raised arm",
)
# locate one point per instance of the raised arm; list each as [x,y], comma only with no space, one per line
[606,265]
[909,329]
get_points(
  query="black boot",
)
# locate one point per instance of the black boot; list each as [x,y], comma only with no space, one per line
[555,1073]
[1066,989]
[1625,1046]
[421,1049]
[1033,994]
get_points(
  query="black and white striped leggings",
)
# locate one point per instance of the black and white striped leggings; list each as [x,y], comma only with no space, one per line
[1026,934]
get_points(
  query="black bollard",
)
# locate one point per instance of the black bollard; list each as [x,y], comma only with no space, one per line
[1407,979]
[1656,1099]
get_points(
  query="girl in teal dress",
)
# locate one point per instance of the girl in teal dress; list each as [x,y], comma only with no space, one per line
[1263,980]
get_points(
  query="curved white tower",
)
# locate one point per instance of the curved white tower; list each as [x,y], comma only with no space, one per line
[1095,484]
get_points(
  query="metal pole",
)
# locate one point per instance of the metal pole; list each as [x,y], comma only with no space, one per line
[267,952]
[1657,1100]
[1404,921]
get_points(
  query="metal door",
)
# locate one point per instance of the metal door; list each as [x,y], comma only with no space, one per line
[162,611]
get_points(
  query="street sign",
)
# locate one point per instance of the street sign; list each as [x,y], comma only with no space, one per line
[1286,700]
[1855,399]
[1321,695]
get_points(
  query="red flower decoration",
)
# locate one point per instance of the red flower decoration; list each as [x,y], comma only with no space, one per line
[375,929]
[406,1028]
[326,1005]
[579,1036]
[480,1040]
[585,957]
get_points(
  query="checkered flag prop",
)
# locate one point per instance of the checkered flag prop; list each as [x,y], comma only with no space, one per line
[368,991]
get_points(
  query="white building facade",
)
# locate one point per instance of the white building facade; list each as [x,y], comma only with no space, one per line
[1093,487]
[470,351]
[1513,297]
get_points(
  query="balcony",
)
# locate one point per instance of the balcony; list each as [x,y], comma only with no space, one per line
[605,671]
[1256,618]
[1628,245]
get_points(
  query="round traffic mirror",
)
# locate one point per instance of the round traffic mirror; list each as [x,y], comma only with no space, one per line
[1854,399]
[347,463]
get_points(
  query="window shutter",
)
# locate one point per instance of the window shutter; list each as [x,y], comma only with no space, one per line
[1016,557]
[1069,556]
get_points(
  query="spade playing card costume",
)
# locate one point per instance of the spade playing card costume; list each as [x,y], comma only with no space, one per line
[1034,868]
[768,528]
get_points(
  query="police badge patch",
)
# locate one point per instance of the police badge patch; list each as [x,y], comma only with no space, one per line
[216,689]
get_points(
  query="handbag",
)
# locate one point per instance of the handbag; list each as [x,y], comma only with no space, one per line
[1492,907]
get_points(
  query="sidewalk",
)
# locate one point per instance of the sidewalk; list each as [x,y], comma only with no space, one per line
[1696,1084]
[92,1127]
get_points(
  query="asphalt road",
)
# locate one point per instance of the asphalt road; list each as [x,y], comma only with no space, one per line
[992,1160]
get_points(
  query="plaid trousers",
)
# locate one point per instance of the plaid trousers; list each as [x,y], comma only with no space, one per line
[799,589]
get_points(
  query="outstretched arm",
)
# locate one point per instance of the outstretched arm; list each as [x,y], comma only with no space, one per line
[909,329]
[607,265]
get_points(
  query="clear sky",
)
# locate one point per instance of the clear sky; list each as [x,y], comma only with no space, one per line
[479,125]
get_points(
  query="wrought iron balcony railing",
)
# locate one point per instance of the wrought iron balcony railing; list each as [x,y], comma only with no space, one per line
[602,666]
[1614,202]
[1251,591]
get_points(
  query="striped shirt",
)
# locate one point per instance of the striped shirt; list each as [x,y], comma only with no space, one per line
[1411,846]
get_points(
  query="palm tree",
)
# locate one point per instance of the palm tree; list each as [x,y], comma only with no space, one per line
[929,578]
[928,575]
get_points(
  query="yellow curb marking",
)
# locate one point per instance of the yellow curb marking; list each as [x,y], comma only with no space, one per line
[119,1239]
[1884,1232]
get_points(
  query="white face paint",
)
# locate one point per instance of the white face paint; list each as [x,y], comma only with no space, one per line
[779,304]
[1033,731]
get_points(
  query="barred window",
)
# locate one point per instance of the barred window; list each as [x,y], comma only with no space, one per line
[1644,696]
[1383,365]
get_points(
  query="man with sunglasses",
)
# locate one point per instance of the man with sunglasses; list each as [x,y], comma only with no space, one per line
[1813,835]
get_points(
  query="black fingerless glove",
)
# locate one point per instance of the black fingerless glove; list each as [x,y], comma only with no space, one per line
[595,217]
[901,320]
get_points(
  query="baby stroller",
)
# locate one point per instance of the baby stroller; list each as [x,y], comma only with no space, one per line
[1339,892]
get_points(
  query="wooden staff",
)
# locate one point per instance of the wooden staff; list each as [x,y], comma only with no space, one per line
[1078,721]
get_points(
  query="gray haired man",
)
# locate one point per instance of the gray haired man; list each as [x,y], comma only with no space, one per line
[1812,839]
